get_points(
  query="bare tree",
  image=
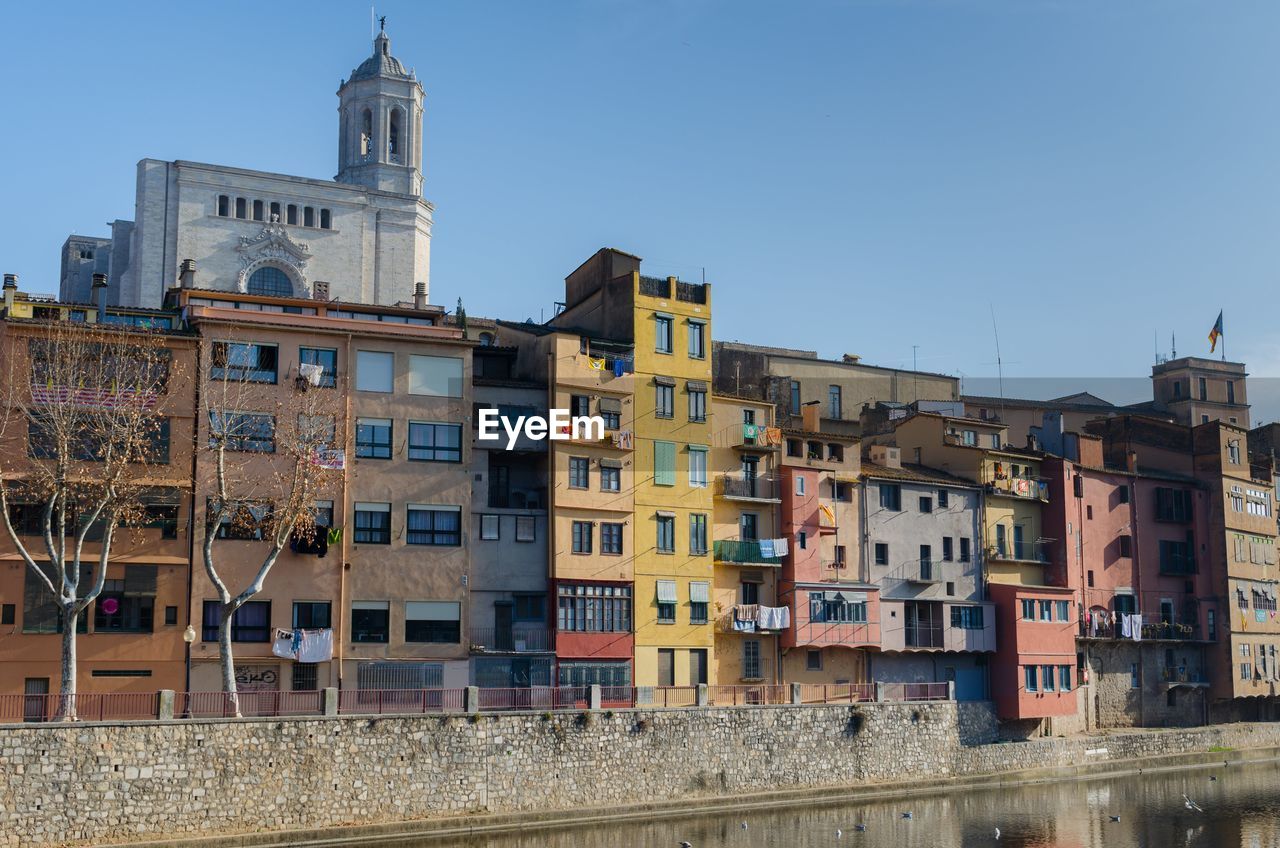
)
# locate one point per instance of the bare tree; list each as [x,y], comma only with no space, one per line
[270,450]
[79,428]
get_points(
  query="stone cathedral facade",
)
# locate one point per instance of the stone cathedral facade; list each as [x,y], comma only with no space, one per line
[364,236]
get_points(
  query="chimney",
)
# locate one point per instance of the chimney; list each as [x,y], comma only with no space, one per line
[187,274]
[851,359]
[420,295]
[98,296]
[888,457]
[10,290]
[1033,444]
[811,416]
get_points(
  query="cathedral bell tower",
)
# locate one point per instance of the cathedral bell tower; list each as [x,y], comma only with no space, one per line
[380,124]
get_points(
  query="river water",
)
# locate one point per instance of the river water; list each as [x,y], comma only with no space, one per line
[1241,809]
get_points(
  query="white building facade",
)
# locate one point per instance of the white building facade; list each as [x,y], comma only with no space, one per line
[364,237]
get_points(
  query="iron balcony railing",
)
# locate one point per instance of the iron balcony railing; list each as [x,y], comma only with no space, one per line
[742,553]
[516,639]
[1169,674]
[1022,551]
[748,487]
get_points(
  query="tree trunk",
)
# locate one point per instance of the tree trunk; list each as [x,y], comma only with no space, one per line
[67,689]
[228,661]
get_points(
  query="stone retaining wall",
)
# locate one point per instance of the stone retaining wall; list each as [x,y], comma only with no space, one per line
[99,783]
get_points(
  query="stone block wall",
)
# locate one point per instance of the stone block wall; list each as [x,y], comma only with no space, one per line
[89,784]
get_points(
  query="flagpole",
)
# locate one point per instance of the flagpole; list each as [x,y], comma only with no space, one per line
[1224,337]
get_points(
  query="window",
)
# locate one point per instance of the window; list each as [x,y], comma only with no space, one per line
[324,357]
[582,536]
[926,562]
[1046,610]
[128,605]
[891,497]
[612,418]
[243,362]
[373,524]
[699,600]
[698,534]
[970,437]
[526,528]
[1233,451]
[800,486]
[579,405]
[748,526]
[1177,557]
[1028,609]
[664,463]
[590,608]
[664,400]
[170,616]
[430,442]
[926,504]
[250,623]
[882,553]
[375,371]
[311,615]
[1204,388]
[257,215]
[1046,677]
[246,521]
[965,554]
[274,210]
[490,528]
[1064,678]
[751,659]
[610,477]
[432,621]
[1029,678]
[947,553]
[434,525]
[373,438]
[1173,505]
[697,405]
[610,538]
[1231,391]
[697,340]
[835,453]
[666,602]
[697,466]
[241,208]
[1125,545]
[270,282]
[324,219]
[837,608]
[370,621]
[802,540]
[529,608]
[1135,680]
[1064,609]
[795,397]
[662,333]
[435,376]
[308,216]
[579,472]
[839,561]
[224,206]
[813,660]
[666,534]
[834,406]
[967,617]
[243,431]
[944,499]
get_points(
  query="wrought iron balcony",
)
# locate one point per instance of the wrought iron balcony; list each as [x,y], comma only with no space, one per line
[743,553]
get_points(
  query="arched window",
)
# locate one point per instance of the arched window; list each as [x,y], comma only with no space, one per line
[393,140]
[486,340]
[275,211]
[224,205]
[240,207]
[324,219]
[292,217]
[257,210]
[271,282]
[308,216]
[366,133]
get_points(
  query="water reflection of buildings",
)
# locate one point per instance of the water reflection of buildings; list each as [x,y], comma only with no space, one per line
[1240,811]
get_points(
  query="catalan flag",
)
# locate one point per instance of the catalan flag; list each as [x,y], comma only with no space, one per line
[1215,333]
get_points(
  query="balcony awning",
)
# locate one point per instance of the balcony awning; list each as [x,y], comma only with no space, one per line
[664,381]
[695,385]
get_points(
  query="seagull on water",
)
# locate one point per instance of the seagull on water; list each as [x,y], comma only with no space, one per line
[1191,805]
[906,815]
[860,828]
[744,825]
[1115,818]
[839,833]
[997,833]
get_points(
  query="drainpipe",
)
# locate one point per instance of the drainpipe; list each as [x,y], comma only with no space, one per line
[344,550]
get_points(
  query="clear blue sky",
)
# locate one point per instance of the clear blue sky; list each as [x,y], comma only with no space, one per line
[853,176]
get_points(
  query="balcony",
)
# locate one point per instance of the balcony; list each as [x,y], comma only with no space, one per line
[1019,552]
[743,487]
[758,619]
[923,572]
[736,552]
[757,437]
[1171,676]
[516,639]
[1023,488]
[851,634]
[1156,627]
